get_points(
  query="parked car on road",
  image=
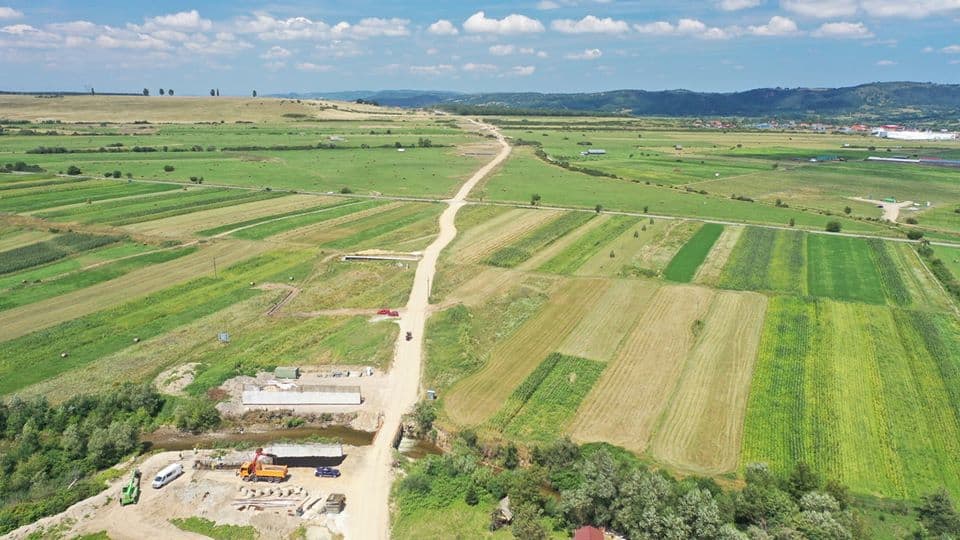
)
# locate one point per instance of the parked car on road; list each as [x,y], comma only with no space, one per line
[327,472]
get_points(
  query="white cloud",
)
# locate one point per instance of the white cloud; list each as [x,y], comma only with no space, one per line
[843,30]
[184,20]
[547,4]
[951,49]
[522,71]
[885,63]
[268,28]
[823,9]
[223,43]
[928,49]
[479,68]
[434,70]
[84,28]
[659,28]
[479,23]
[276,52]
[502,50]
[737,5]
[372,27]
[688,27]
[590,25]
[9,13]
[443,27]
[914,9]
[778,26]
[587,54]
[313,68]
[134,41]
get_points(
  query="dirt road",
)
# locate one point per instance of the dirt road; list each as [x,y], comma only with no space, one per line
[374,520]
[891,210]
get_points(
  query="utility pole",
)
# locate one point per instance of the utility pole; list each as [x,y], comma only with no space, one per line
[214,267]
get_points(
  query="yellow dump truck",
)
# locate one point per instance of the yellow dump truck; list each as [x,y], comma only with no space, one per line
[256,471]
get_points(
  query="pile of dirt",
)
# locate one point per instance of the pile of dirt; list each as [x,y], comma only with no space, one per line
[175,379]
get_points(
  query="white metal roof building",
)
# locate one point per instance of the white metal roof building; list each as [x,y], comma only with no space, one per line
[254,395]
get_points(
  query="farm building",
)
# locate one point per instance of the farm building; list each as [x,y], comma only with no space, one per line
[254,395]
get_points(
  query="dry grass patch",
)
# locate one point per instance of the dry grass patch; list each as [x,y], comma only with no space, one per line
[599,334]
[189,224]
[479,242]
[331,229]
[702,428]
[712,267]
[23,238]
[624,406]
[563,243]
[479,396]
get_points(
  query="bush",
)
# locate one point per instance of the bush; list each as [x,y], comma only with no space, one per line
[168,168]
[345,190]
[911,221]
[833,226]
[914,235]
[73,170]
[196,415]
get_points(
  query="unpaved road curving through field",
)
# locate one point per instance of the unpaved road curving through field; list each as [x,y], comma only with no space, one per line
[371,517]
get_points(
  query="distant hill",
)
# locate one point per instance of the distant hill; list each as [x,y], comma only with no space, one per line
[893,101]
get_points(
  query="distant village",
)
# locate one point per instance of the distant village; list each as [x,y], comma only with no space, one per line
[888,131]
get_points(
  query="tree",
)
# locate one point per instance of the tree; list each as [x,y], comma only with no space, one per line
[598,208]
[218,92]
[510,456]
[914,235]
[168,168]
[833,226]
[213,92]
[170,92]
[938,515]
[535,199]
[424,413]
[146,92]
[526,523]
[792,222]
[802,480]
[847,210]
[254,93]
[92,93]
[471,497]
[161,91]
[73,170]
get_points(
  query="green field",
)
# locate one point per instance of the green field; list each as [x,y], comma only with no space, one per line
[267,228]
[843,268]
[685,263]
[584,248]
[542,405]
[524,248]
[863,393]
[32,199]
[59,247]
[767,260]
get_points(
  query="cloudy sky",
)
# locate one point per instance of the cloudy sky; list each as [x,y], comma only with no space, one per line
[536,45]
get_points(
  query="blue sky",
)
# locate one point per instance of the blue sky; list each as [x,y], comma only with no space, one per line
[537,45]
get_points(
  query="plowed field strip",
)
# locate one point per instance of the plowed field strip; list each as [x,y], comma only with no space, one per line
[633,391]
[703,426]
[479,396]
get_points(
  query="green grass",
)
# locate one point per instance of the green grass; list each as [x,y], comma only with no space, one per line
[866,394]
[96,335]
[126,212]
[38,199]
[541,237]
[584,248]
[685,263]
[74,263]
[210,529]
[890,273]
[256,221]
[59,247]
[367,232]
[28,293]
[268,229]
[767,260]
[843,268]
[540,408]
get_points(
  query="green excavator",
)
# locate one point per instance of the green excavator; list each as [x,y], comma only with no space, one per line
[131,492]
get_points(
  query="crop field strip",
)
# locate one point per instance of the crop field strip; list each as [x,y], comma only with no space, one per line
[35,199]
[702,427]
[598,335]
[54,249]
[353,285]
[635,388]
[477,243]
[476,398]
[767,260]
[325,228]
[711,269]
[19,238]
[34,292]
[519,251]
[631,246]
[867,394]
[379,230]
[26,319]
[540,408]
[684,265]
[128,211]
[248,215]
[560,245]
[267,228]
[584,248]
[843,268]
[90,337]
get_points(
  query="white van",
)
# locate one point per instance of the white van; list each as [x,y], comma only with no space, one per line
[167,475]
